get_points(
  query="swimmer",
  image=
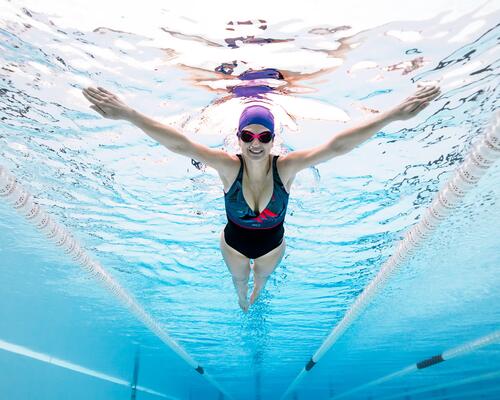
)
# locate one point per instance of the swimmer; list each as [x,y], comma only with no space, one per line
[256,183]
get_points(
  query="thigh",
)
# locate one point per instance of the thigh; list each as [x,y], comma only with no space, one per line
[266,264]
[237,263]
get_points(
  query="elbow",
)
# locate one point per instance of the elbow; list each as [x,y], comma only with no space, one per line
[339,147]
[179,145]
[178,149]
[341,150]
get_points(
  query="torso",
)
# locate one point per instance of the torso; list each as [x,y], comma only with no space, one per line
[254,205]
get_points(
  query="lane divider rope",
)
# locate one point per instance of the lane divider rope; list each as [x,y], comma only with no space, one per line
[459,382]
[24,203]
[458,351]
[482,156]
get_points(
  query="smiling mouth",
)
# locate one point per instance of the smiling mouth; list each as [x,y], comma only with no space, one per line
[255,152]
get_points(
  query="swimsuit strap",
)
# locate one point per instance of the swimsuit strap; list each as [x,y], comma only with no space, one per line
[276,175]
[240,172]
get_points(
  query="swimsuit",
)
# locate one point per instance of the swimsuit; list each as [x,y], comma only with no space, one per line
[248,232]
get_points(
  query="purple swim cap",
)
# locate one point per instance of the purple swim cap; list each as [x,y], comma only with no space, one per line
[256,115]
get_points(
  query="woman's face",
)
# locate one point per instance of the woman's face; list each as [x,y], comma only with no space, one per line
[255,149]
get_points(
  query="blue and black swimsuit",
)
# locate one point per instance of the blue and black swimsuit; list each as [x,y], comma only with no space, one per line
[255,234]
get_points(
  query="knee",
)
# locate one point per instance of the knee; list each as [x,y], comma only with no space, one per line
[240,278]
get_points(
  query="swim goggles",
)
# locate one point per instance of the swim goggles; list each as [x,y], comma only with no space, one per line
[263,137]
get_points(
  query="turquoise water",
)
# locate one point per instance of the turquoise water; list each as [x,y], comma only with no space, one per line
[153,219]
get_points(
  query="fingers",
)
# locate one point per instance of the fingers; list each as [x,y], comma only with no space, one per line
[105,91]
[416,103]
[423,88]
[422,106]
[92,97]
[418,106]
[431,95]
[96,93]
[96,104]
[88,96]
[414,106]
[99,93]
[424,94]
[427,92]
[89,93]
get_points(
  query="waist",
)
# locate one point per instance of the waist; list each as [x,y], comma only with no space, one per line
[273,229]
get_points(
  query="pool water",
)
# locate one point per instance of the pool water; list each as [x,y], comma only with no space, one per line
[152,218]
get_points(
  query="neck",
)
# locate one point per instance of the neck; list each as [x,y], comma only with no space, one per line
[257,170]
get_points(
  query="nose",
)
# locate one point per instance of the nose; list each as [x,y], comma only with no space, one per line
[253,145]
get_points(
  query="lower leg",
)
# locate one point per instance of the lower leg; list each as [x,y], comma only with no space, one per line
[241,286]
[263,267]
[259,281]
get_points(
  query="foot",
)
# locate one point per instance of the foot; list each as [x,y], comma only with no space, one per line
[243,304]
[241,286]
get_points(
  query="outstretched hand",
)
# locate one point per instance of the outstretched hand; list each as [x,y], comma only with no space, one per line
[106,103]
[416,103]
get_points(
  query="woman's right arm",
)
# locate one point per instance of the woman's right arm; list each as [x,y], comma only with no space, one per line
[110,106]
[175,141]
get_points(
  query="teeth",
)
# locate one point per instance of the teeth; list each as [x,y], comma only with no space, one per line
[256,152]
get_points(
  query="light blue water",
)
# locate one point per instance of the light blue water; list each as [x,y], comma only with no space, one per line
[153,220]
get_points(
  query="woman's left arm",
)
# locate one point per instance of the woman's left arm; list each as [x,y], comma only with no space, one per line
[348,139]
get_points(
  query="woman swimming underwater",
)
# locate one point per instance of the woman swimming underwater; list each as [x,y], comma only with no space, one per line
[256,183]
